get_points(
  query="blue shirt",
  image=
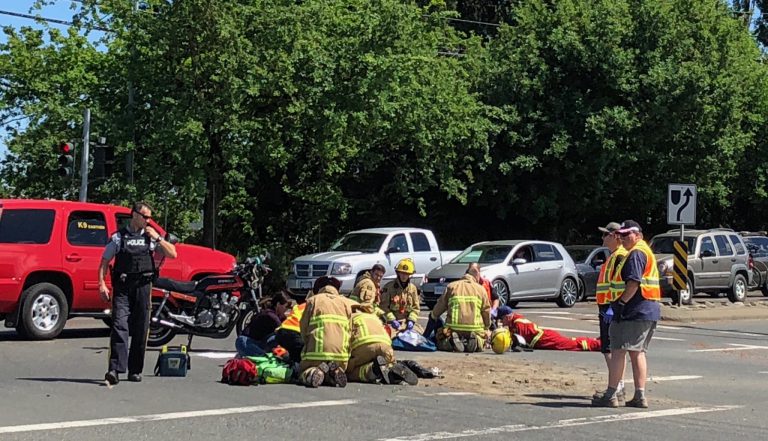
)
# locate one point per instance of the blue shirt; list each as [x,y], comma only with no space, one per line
[638,308]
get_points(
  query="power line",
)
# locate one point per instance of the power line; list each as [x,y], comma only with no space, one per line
[49,20]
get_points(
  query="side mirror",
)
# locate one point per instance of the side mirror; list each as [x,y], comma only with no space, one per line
[519,261]
[707,253]
[172,238]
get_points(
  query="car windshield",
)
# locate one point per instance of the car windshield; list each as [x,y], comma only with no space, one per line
[362,242]
[579,255]
[486,253]
[757,245]
[665,244]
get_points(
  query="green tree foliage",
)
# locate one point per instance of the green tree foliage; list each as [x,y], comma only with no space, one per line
[286,123]
[608,101]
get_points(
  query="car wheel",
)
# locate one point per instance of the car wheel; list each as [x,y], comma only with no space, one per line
[582,290]
[430,305]
[686,294]
[569,293]
[44,312]
[502,290]
[738,291]
[764,289]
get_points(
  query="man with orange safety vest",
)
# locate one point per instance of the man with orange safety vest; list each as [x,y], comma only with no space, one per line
[603,294]
[540,338]
[635,288]
[325,327]
[372,358]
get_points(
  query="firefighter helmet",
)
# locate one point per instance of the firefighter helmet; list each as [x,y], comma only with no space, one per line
[406,266]
[500,340]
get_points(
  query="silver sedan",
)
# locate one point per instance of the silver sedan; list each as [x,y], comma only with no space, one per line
[517,269]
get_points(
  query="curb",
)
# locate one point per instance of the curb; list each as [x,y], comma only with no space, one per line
[712,312]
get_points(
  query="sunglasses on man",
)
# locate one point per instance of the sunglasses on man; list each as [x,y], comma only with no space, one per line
[146,218]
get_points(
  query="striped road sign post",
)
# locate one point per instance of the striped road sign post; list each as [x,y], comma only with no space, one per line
[680,267]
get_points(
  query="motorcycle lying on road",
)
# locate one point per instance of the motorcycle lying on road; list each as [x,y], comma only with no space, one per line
[210,307]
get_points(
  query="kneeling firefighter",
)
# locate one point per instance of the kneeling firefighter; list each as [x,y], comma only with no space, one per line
[400,299]
[468,315]
[325,327]
[372,358]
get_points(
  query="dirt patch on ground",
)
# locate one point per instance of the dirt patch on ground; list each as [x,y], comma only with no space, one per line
[519,380]
[511,378]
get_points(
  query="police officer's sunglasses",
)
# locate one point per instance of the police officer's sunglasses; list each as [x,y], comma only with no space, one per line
[146,218]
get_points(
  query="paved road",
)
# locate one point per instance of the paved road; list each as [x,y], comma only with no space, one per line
[714,375]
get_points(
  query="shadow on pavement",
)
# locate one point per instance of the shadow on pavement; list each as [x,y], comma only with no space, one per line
[65,334]
[558,396]
[66,380]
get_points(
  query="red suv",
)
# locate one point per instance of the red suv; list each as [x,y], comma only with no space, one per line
[49,258]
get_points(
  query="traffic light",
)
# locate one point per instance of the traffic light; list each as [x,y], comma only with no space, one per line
[66,160]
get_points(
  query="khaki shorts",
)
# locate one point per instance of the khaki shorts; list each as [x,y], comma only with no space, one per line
[631,335]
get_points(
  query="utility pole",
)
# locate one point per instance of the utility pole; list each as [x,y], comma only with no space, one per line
[84,158]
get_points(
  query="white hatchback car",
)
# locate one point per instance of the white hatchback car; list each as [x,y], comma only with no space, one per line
[517,269]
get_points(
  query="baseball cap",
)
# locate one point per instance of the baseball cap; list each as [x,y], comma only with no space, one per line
[503,311]
[630,226]
[610,228]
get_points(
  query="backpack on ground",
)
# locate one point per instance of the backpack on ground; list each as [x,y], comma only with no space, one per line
[272,369]
[239,371]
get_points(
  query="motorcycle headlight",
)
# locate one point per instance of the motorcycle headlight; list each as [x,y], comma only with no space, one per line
[339,269]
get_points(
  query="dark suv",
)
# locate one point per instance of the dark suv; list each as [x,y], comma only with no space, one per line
[717,261]
[757,245]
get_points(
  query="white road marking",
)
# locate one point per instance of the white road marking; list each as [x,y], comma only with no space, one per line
[562,423]
[763,372]
[747,334]
[170,416]
[667,338]
[214,355]
[674,328]
[671,378]
[737,347]
[580,331]
[558,317]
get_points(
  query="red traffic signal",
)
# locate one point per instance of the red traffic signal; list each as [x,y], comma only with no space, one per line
[66,159]
[66,148]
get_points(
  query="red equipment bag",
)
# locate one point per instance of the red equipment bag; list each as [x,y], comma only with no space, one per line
[239,371]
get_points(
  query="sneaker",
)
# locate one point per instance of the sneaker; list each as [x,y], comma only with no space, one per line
[604,401]
[400,372]
[112,378]
[336,375]
[458,344]
[620,395]
[381,369]
[637,402]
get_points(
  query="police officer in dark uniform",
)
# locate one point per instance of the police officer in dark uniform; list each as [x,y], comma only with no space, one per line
[132,248]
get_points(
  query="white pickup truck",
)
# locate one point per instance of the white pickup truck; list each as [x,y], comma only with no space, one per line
[356,252]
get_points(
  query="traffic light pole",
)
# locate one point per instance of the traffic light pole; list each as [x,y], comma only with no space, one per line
[84,158]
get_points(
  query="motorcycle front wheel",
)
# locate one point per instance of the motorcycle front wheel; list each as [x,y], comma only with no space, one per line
[159,335]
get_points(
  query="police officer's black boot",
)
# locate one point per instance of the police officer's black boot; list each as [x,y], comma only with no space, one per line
[112,378]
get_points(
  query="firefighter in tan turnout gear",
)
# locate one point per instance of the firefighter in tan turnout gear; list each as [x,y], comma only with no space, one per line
[400,299]
[325,327]
[372,358]
[469,315]
[367,291]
